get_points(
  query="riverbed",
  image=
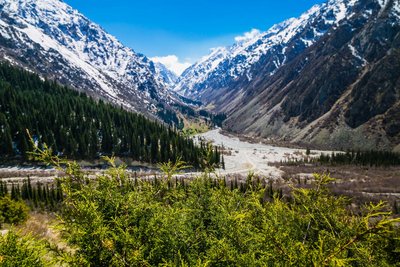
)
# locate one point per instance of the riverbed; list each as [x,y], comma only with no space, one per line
[248,157]
[241,158]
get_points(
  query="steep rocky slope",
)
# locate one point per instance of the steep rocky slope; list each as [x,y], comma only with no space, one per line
[220,77]
[343,91]
[329,78]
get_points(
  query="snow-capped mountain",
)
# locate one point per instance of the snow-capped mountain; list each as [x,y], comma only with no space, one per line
[196,74]
[56,41]
[167,76]
[225,66]
[343,91]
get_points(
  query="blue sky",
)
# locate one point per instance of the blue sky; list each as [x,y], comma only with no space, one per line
[182,29]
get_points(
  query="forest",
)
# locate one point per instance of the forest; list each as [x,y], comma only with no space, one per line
[79,127]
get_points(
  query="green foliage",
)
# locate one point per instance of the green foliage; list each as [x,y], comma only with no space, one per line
[210,159]
[170,169]
[12,211]
[21,251]
[114,221]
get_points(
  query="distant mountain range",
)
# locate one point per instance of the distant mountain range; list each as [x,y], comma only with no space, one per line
[329,78]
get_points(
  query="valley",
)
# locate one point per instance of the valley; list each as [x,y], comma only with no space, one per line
[242,157]
[276,147]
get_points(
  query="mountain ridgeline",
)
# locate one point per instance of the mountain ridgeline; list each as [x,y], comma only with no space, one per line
[57,42]
[330,78]
[76,126]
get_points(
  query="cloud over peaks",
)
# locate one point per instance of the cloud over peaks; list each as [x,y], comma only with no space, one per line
[247,35]
[172,63]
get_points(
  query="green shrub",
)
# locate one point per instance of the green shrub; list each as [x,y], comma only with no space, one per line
[22,252]
[113,223]
[12,211]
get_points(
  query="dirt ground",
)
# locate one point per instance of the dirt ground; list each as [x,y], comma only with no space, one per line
[362,183]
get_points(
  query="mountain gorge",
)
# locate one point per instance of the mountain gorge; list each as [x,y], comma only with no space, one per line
[329,78]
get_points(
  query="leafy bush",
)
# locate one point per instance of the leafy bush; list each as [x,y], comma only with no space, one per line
[12,211]
[23,252]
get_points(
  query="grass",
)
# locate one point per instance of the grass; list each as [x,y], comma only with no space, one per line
[195,127]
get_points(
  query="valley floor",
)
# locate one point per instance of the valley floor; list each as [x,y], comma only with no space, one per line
[242,157]
[363,183]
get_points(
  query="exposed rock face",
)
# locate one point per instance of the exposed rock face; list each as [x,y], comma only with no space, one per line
[222,76]
[344,91]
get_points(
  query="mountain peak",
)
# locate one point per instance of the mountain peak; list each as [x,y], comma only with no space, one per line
[225,65]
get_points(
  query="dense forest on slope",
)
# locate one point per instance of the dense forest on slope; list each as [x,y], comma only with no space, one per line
[79,127]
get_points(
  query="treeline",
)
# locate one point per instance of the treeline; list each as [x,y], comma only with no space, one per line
[363,158]
[77,126]
[169,117]
[360,158]
[38,195]
[215,119]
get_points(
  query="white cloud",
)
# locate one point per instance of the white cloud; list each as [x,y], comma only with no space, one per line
[172,63]
[247,35]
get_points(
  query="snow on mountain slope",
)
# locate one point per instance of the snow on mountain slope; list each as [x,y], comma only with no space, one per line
[166,75]
[198,72]
[226,65]
[56,41]
[342,91]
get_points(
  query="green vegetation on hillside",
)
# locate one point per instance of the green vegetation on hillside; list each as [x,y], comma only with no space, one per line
[77,126]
